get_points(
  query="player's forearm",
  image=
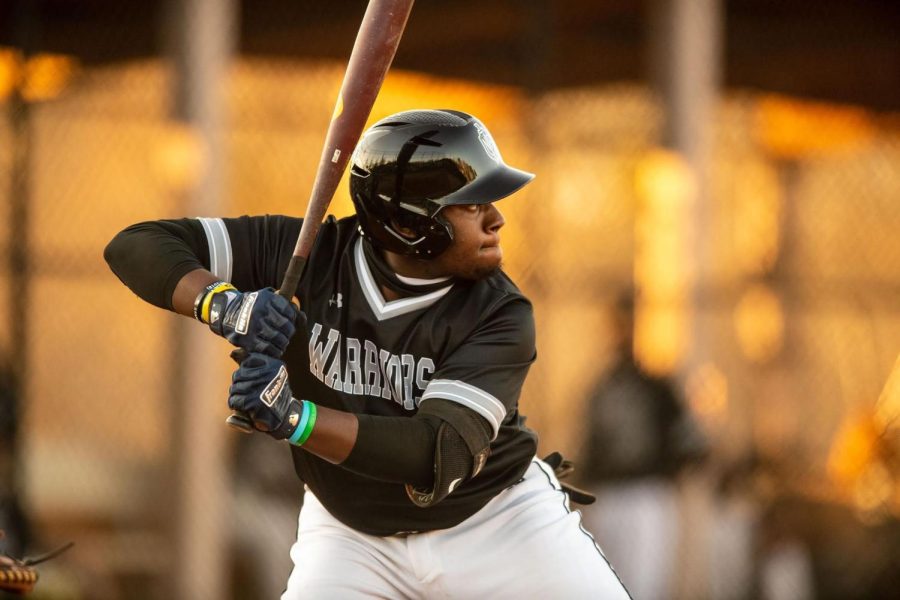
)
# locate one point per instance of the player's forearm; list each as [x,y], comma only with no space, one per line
[334,434]
[395,449]
[187,290]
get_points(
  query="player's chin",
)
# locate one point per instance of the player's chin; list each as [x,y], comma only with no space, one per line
[486,264]
[478,272]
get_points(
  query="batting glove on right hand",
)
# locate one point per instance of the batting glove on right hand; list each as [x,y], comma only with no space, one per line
[261,321]
[260,389]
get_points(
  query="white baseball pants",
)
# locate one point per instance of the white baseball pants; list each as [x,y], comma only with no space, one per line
[525,543]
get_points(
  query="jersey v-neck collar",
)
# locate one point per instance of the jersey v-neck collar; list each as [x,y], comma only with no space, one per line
[382,308]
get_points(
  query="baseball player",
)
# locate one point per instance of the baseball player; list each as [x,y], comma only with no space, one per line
[398,392]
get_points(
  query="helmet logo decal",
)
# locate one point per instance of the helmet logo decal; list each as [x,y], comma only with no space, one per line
[484,136]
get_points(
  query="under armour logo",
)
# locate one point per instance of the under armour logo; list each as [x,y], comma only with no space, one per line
[336,299]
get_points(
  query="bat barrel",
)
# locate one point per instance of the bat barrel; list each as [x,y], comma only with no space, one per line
[374,50]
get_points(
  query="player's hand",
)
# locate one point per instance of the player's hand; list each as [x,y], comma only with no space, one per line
[260,389]
[261,321]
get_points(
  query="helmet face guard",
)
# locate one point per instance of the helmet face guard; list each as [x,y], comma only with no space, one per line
[409,166]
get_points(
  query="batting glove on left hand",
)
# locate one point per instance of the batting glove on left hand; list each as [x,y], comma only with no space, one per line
[260,388]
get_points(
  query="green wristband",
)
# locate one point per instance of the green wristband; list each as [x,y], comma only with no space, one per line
[309,425]
[307,422]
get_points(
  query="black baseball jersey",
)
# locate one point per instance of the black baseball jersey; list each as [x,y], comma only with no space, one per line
[470,342]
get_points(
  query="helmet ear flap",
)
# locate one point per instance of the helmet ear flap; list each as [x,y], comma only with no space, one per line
[414,226]
[405,224]
[400,221]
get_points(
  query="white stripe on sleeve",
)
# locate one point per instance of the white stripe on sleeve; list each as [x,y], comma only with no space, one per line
[470,396]
[220,257]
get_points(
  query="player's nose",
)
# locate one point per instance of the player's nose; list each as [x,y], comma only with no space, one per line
[493,218]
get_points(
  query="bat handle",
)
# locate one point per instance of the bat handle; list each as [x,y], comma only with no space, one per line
[239,420]
[292,277]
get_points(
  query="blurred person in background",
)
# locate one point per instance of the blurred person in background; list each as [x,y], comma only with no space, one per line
[409,359]
[639,439]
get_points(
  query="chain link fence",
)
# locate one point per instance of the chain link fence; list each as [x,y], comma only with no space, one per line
[794,323]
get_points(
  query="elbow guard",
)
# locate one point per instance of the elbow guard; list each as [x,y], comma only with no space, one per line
[462,446]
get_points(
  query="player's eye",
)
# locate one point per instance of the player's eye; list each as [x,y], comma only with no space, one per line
[471,210]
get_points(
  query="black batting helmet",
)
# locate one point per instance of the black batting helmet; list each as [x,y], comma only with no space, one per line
[409,166]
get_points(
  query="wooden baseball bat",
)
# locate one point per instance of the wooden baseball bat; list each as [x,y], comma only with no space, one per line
[374,49]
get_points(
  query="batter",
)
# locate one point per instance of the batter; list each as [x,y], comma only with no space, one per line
[397,386]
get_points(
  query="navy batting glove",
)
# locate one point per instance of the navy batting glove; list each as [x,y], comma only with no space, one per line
[261,321]
[260,388]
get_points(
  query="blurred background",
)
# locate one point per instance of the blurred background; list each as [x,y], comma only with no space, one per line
[710,245]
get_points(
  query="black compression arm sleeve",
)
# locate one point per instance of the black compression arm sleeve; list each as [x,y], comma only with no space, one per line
[395,449]
[152,257]
[401,449]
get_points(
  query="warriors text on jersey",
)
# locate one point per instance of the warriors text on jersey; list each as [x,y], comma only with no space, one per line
[470,342]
